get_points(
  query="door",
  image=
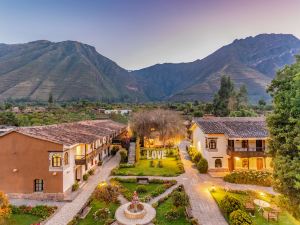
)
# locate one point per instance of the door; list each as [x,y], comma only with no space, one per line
[259,163]
[230,164]
[259,145]
[78,173]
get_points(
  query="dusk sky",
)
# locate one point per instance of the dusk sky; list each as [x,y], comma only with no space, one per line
[139,33]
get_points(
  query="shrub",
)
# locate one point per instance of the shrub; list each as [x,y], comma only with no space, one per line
[179,199]
[263,178]
[172,214]
[151,163]
[107,193]
[160,164]
[109,221]
[141,189]
[196,157]
[202,165]
[100,163]
[229,204]
[240,217]
[159,190]
[75,186]
[114,150]
[123,154]
[91,172]
[85,177]
[101,214]
[42,211]
[126,165]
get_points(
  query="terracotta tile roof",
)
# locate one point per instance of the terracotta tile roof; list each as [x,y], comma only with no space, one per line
[234,127]
[69,134]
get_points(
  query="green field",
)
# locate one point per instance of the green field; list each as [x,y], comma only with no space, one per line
[21,219]
[142,168]
[284,217]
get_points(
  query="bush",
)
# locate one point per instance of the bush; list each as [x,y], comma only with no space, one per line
[42,211]
[85,177]
[91,172]
[172,214]
[179,199]
[240,217]
[100,163]
[75,186]
[141,189]
[114,150]
[101,214]
[160,164]
[107,193]
[202,165]
[196,157]
[256,177]
[229,204]
[123,154]
[151,163]
[5,210]
[126,165]
[159,190]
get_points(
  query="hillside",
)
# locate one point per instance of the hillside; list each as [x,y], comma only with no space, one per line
[69,70]
[252,61]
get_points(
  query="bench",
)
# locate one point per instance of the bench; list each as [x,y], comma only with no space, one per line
[142,180]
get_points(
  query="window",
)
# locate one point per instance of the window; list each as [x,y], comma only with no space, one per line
[244,144]
[66,158]
[218,163]
[38,185]
[245,163]
[212,144]
[56,160]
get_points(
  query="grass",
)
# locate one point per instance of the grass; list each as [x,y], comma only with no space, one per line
[95,204]
[21,219]
[142,168]
[284,217]
[131,187]
[163,208]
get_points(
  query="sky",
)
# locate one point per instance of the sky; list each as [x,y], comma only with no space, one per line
[139,33]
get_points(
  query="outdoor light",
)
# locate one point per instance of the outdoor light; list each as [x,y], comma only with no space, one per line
[15,170]
[102,184]
[262,194]
[213,188]
[237,158]
[54,174]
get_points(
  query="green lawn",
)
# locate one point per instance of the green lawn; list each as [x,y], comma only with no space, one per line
[131,187]
[95,204]
[21,219]
[284,217]
[142,168]
[163,208]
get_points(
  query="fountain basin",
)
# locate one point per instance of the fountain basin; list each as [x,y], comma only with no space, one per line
[125,214]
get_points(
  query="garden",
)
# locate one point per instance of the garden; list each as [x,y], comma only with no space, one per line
[256,177]
[196,157]
[238,208]
[169,165]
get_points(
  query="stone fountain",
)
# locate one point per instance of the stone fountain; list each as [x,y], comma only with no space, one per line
[135,212]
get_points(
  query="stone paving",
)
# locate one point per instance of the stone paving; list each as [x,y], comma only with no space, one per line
[70,209]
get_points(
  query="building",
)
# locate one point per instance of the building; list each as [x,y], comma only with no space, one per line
[45,161]
[118,111]
[232,143]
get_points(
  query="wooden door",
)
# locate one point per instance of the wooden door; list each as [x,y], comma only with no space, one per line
[259,163]
[230,164]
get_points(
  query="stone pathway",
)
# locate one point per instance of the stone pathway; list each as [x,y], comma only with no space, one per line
[70,209]
[131,154]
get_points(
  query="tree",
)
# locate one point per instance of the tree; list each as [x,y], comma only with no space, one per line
[179,199]
[261,104]
[284,127]
[222,98]
[5,210]
[242,97]
[50,99]
[9,118]
[106,192]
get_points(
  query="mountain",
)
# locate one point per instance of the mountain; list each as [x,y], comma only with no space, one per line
[69,70]
[252,61]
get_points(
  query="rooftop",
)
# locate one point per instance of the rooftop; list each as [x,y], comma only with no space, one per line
[69,134]
[234,127]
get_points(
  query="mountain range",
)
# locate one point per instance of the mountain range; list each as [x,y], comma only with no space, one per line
[71,70]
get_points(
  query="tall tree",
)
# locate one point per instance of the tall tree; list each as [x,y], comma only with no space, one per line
[222,98]
[284,126]
[50,99]
[242,97]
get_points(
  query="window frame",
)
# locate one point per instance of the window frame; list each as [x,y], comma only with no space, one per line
[66,158]
[54,161]
[214,145]
[38,185]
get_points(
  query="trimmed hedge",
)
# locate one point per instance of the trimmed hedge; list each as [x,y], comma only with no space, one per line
[240,217]
[42,211]
[229,204]
[202,165]
[263,178]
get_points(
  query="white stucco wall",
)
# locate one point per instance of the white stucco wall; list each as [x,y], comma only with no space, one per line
[69,170]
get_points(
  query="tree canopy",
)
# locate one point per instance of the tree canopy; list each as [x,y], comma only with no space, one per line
[284,126]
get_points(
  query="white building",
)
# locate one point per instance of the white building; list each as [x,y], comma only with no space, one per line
[230,143]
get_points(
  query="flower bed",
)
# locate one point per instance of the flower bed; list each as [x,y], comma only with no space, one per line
[263,178]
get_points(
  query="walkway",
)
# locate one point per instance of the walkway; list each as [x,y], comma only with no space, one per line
[69,210]
[131,154]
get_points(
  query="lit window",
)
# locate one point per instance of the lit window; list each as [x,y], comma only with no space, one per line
[66,158]
[38,185]
[56,160]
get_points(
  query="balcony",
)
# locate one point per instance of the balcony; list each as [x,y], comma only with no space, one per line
[246,152]
[81,159]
